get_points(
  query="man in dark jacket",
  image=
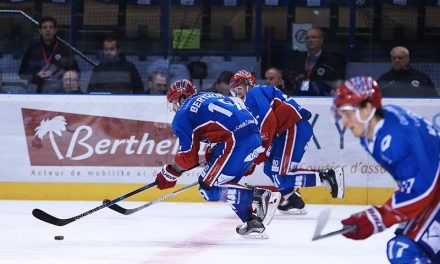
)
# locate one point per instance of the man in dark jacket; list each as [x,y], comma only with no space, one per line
[402,80]
[46,60]
[315,72]
[114,74]
[221,84]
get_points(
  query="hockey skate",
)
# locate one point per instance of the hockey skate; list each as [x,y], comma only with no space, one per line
[264,207]
[252,229]
[293,205]
[334,180]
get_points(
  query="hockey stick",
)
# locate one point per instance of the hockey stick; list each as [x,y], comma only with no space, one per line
[43,216]
[126,211]
[322,221]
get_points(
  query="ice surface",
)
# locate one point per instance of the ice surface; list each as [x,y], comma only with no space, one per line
[193,233]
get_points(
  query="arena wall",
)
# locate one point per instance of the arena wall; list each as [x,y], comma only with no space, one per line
[93,147]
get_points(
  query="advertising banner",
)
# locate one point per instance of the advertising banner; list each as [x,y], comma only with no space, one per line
[126,139]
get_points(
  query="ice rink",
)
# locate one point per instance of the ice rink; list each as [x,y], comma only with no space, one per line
[193,233]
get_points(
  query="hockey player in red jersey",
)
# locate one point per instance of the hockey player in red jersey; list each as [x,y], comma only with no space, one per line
[408,147]
[285,133]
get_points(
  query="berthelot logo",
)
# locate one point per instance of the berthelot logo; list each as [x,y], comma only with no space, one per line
[66,139]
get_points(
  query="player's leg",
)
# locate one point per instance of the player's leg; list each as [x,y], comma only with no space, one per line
[250,205]
[300,136]
[277,168]
[254,206]
[264,204]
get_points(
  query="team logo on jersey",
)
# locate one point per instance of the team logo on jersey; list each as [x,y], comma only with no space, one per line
[386,142]
[57,57]
[415,83]
[320,71]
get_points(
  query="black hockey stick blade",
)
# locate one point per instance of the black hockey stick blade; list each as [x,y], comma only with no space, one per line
[126,211]
[43,216]
[322,221]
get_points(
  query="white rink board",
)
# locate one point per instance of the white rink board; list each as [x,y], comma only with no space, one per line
[21,161]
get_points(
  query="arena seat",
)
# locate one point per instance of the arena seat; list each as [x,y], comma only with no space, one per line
[228,22]
[274,16]
[308,12]
[143,21]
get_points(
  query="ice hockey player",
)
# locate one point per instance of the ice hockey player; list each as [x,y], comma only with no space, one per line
[285,132]
[215,119]
[408,147]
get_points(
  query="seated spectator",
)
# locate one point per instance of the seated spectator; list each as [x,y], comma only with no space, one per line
[41,64]
[157,83]
[175,69]
[221,85]
[114,74]
[315,72]
[71,82]
[1,83]
[402,80]
[273,76]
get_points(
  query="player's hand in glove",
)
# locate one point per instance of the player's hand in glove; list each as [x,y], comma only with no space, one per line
[167,177]
[367,223]
[305,114]
[250,169]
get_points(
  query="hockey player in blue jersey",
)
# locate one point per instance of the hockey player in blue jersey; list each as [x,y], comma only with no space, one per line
[215,119]
[408,147]
[285,133]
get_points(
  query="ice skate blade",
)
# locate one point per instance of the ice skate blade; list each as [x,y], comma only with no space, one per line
[294,212]
[339,173]
[274,201]
[255,235]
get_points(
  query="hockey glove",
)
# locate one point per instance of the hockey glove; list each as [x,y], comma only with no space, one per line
[367,223]
[167,177]
[250,170]
[305,114]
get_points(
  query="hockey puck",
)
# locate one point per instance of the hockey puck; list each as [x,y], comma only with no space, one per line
[59,237]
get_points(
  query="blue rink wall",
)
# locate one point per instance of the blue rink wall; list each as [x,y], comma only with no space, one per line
[92,147]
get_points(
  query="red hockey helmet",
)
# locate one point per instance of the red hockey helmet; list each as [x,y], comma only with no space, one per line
[180,89]
[242,77]
[358,89]
[355,91]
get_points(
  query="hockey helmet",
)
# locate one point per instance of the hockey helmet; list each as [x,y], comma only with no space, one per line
[355,91]
[242,77]
[180,89]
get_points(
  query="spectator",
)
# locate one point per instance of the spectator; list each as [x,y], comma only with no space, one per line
[115,74]
[402,80]
[1,83]
[273,76]
[157,83]
[42,62]
[71,82]
[315,72]
[221,85]
[174,68]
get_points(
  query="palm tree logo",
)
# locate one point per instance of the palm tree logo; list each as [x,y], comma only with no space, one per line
[51,126]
